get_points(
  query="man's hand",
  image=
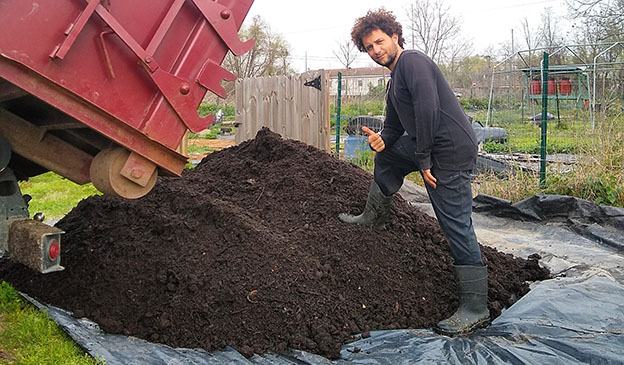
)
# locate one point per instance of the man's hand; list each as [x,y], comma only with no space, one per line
[429,179]
[374,139]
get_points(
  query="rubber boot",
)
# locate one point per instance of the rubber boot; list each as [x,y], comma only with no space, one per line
[376,212]
[472,312]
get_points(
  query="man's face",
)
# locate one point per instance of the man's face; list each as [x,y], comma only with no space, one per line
[381,47]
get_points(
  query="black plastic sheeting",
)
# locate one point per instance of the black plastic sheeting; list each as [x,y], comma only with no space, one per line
[485,134]
[575,318]
[605,224]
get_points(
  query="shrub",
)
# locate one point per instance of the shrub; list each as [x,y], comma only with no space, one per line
[205,109]
[474,104]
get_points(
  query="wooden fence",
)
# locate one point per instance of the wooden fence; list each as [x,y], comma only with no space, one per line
[287,106]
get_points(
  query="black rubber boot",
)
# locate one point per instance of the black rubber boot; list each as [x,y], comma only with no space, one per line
[472,312]
[375,213]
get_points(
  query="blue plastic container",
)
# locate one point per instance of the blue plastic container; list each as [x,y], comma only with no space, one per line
[355,144]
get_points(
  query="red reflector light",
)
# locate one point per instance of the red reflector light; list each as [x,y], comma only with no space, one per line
[55,250]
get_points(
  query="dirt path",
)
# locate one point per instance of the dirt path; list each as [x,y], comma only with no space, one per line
[217,144]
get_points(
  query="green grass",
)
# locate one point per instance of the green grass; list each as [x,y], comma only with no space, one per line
[210,133]
[597,176]
[570,134]
[54,195]
[29,336]
[192,148]
[364,159]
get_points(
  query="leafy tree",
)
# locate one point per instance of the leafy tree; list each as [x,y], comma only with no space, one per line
[376,92]
[462,73]
[267,58]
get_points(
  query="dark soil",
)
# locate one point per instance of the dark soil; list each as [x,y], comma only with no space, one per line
[246,250]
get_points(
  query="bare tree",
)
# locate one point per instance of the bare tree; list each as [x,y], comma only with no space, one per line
[532,38]
[604,19]
[458,49]
[432,27]
[601,21]
[347,53]
[584,8]
[550,34]
[493,52]
[454,54]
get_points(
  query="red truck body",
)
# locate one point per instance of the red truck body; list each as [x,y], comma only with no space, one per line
[79,77]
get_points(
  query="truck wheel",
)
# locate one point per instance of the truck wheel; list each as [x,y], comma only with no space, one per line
[106,175]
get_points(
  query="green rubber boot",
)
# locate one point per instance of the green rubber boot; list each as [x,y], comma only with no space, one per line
[376,212]
[472,312]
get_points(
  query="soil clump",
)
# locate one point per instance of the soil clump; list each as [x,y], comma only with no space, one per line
[246,250]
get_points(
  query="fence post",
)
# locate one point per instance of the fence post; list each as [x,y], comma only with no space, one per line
[544,120]
[338,114]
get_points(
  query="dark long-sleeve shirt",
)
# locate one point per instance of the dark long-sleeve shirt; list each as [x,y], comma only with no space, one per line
[421,103]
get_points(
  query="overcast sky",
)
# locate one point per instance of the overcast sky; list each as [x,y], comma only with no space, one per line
[315,28]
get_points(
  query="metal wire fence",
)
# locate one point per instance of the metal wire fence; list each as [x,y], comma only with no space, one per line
[583,152]
[577,147]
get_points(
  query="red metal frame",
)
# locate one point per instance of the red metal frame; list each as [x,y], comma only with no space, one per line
[135,73]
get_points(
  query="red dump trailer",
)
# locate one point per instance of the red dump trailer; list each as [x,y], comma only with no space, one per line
[103,91]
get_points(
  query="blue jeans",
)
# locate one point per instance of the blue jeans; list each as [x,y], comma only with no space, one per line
[451,200]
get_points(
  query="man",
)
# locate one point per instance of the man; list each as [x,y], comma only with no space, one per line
[425,130]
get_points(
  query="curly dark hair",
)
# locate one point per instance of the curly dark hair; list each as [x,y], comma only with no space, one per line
[376,19]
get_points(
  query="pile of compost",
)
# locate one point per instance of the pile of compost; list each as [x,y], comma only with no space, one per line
[246,250]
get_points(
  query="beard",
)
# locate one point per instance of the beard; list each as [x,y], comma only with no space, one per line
[392,54]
